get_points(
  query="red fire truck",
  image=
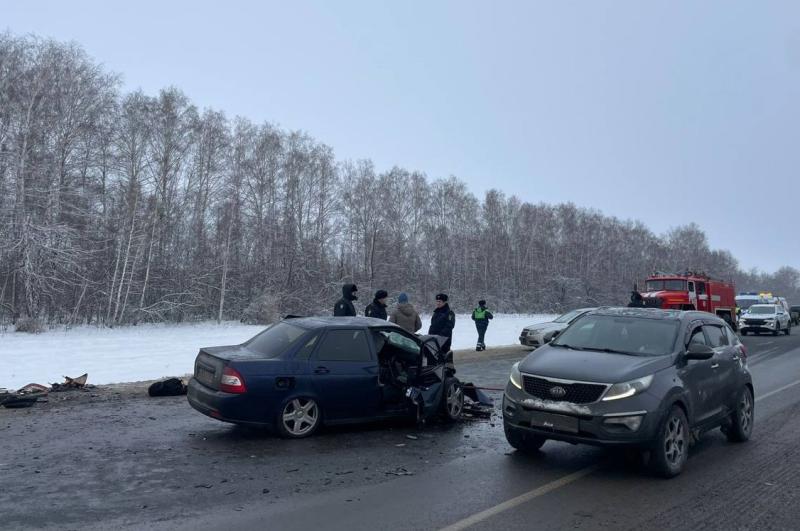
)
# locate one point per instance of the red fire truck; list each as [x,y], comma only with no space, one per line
[691,291]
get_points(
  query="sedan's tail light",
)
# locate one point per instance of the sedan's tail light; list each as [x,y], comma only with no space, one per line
[232,381]
[743,350]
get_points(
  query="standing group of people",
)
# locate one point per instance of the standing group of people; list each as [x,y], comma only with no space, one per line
[443,319]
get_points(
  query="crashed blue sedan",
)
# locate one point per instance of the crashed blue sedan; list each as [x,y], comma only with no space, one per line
[302,373]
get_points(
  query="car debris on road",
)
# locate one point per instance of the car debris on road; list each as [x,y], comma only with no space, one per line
[168,387]
[32,393]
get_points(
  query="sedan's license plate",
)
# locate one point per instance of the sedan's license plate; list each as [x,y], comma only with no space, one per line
[205,374]
[554,422]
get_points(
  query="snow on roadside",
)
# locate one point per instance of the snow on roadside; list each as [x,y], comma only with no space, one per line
[504,329]
[150,351]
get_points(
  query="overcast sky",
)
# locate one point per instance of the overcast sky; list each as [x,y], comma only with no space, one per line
[669,113]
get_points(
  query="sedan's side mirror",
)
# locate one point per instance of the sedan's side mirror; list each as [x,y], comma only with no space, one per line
[698,351]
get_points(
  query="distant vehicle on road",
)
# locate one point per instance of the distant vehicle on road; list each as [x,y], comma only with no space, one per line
[542,333]
[766,318]
[746,299]
[301,373]
[648,379]
[794,311]
[691,291]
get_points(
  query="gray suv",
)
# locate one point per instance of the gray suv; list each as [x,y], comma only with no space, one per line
[648,379]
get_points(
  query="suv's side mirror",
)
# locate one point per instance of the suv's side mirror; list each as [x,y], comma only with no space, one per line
[698,351]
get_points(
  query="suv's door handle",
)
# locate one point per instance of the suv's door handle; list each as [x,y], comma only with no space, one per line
[321,370]
[715,366]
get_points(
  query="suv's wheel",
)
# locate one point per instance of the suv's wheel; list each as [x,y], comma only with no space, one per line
[453,400]
[788,328]
[671,449]
[522,441]
[777,329]
[742,417]
[299,417]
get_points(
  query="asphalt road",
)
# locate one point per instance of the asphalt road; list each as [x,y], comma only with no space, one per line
[131,462]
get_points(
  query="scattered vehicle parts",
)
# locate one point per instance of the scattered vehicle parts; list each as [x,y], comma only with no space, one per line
[71,383]
[168,387]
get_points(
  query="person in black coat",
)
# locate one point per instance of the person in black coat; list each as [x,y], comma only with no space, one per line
[377,308]
[344,306]
[443,320]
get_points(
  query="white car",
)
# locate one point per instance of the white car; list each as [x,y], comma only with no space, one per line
[539,334]
[769,318]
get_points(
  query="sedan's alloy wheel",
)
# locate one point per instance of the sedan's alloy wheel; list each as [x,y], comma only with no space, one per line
[455,400]
[300,416]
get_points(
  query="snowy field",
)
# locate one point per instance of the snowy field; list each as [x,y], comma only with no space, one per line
[148,352]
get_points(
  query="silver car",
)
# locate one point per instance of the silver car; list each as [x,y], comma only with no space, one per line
[769,318]
[542,333]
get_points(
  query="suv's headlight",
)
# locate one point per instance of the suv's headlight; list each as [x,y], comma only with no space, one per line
[516,376]
[624,390]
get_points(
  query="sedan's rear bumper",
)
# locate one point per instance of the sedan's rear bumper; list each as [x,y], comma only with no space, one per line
[227,407]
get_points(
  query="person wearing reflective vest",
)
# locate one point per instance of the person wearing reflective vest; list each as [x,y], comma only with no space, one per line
[481,316]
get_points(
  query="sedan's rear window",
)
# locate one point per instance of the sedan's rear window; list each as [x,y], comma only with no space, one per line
[620,334]
[276,339]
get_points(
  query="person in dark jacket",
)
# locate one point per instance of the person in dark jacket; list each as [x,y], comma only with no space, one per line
[481,316]
[443,320]
[377,308]
[344,307]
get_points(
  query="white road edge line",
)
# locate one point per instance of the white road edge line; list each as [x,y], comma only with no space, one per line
[553,485]
[513,502]
[776,391]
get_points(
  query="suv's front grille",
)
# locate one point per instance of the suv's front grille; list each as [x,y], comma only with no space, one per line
[577,393]
[755,322]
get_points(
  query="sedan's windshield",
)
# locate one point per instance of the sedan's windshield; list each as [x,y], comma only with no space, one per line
[666,285]
[276,339]
[761,310]
[620,334]
[567,317]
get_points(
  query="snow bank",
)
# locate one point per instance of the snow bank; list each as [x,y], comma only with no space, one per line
[504,329]
[149,351]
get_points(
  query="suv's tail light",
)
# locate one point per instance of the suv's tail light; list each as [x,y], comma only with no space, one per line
[232,381]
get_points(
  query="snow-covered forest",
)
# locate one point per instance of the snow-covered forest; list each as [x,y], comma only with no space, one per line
[119,208]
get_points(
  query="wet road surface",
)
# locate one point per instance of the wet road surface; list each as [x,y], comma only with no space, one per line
[142,463]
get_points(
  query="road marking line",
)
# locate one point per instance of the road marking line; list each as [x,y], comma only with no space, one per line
[513,502]
[776,391]
[553,485]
